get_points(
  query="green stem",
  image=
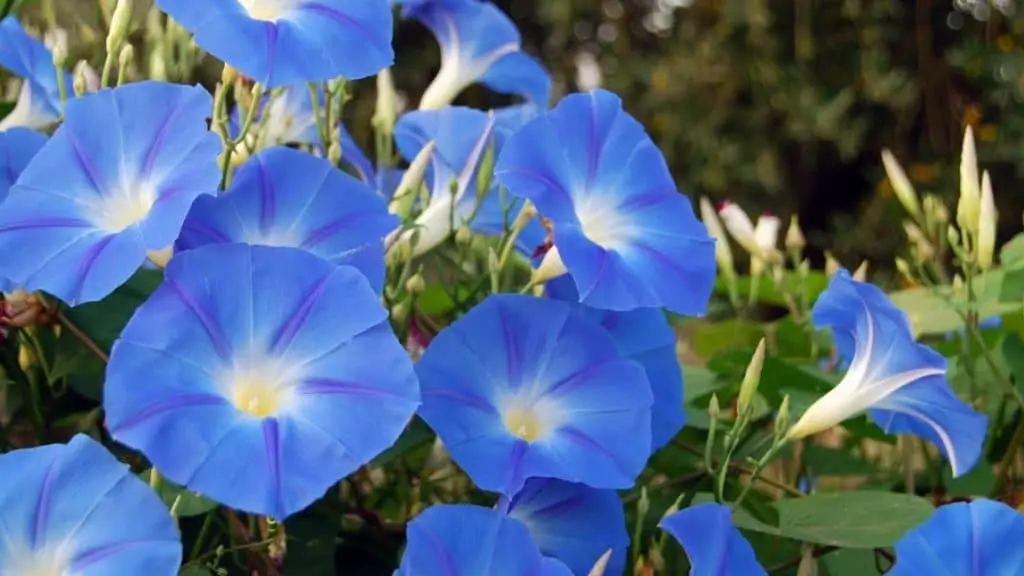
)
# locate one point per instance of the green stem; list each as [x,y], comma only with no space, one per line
[1006,463]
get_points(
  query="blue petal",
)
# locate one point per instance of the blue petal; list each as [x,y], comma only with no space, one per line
[29,58]
[510,119]
[287,118]
[574,523]
[522,387]
[494,218]
[114,181]
[627,237]
[964,539]
[479,43]
[645,337]
[464,540]
[17,147]
[875,337]
[249,355]
[713,545]
[284,197]
[354,156]
[76,510]
[294,42]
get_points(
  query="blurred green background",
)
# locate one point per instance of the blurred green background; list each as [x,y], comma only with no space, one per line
[780,105]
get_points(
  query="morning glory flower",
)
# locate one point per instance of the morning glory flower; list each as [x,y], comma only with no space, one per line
[975,538]
[38,103]
[479,43]
[464,540]
[74,509]
[263,380]
[384,181]
[621,230]
[522,387]
[104,191]
[17,147]
[285,197]
[713,545]
[902,384]
[462,137]
[574,523]
[283,42]
[644,336]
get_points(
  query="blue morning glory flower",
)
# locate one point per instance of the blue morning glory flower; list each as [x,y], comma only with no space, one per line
[902,384]
[975,538]
[285,197]
[713,545]
[644,336]
[461,136]
[574,523]
[103,191]
[385,181]
[464,540]
[624,234]
[283,42]
[38,103]
[17,147]
[74,509]
[479,43]
[522,387]
[262,372]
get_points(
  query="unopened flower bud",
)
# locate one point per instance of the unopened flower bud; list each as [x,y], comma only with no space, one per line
[723,253]
[968,207]
[782,418]
[795,241]
[405,195]
[120,22]
[386,112]
[904,268]
[831,264]
[400,311]
[861,273]
[901,185]
[714,409]
[953,236]
[79,83]
[334,153]
[463,236]
[987,223]
[751,380]
[415,284]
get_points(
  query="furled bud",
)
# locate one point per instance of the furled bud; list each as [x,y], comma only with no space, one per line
[751,380]
[987,224]
[405,195]
[901,185]
[723,252]
[386,112]
[120,22]
[795,241]
[970,191]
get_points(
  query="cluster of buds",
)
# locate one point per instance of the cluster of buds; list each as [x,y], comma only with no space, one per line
[929,229]
[21,309]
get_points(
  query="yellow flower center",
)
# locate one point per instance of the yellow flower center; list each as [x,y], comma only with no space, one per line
[524,423]
[267,10]
[256,396]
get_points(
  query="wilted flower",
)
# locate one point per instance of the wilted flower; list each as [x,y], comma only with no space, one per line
[574,523]
[249,355]
[74,509]
[102,192]
[280,43]
[711,541]
[463,539]
[522,387]
[964,538]
[902,384]
[622,231]
[285,197]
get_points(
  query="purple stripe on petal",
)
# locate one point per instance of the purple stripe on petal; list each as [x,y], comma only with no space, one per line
[220,343]
[214,236]
[592,147]
[331,387]
[515,464]
[88,260]
[42,508]
[440,552]
[272,444]
[562,507]
[576,436]
[465,398]
[345,20]
[325,232]
[634,203]
[287,333]
[168,405]
[268,207]
[515,358]
[573,380]
[86,164]
[46,223]
[89,557]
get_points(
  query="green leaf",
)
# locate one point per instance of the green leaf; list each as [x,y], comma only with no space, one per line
[104,320]
[934,311]
[824,461]
[859,519]
[435,301]
[712,338]
[978,482]
[5,109]
[193,570]
[192,503]
[1011,255]
[767,292]
[415,435]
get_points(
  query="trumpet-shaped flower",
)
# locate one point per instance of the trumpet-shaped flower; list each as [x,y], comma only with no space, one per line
[284,42]
[621,230]
[113,182]
[644,336]
[262,372]
[384,181]
[712,543]
[464,540]
[523,387]
[461,137]
[74,509]
[285,197]
[479,43]
[17,147]
[966,539]
[902,384]
[38,103]
[574,523]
